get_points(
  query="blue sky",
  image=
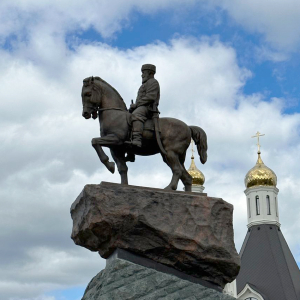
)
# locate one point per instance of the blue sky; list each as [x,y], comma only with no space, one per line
[231,67]
[72,293]
[274,79]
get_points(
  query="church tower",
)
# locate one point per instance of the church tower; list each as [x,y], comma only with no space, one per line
[197,176]
[261,193]
[268,268]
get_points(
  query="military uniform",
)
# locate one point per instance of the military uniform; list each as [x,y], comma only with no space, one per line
[148,94]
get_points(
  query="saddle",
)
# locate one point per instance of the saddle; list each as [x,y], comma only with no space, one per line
[148,125]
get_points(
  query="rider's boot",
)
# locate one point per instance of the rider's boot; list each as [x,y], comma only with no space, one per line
[137,130]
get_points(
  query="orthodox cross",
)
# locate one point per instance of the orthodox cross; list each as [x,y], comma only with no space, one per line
[257,135]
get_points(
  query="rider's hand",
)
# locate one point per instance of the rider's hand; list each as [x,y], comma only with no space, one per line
[132,107]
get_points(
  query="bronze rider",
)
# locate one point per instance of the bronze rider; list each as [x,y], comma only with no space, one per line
[147,99]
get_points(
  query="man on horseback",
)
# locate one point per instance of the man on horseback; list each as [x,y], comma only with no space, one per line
[146,102]
[173,136]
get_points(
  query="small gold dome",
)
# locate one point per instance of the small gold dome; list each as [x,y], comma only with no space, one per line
[197,175]
[260,175]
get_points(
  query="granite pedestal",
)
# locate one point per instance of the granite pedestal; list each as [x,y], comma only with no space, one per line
[123,279]
[159,244]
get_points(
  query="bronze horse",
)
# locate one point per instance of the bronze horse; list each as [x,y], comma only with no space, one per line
[100,99]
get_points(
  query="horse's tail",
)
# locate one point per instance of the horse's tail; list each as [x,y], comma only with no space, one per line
[200,139]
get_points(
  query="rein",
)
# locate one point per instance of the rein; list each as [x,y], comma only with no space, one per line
[110,108]
[99,86]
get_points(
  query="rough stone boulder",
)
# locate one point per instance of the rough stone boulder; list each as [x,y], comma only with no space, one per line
[190,232]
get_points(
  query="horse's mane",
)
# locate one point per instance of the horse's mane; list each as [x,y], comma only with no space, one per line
[98,78]
[103,81]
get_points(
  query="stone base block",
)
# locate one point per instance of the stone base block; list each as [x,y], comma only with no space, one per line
[124,280]
[190,232]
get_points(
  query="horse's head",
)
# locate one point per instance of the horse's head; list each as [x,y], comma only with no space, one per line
[91,97]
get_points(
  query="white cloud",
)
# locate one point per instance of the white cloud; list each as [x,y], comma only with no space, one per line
[43,24]
[46,156]
[41,297]
[34,18]
[47,22]
[277,21]
[264,53]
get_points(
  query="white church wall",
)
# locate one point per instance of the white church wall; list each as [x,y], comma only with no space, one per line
[230,289]
[258,210]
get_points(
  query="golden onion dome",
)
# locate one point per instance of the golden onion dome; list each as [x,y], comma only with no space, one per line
[260,175]
[197,175]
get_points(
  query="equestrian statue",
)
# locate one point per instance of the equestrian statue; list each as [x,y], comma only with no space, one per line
[139,130]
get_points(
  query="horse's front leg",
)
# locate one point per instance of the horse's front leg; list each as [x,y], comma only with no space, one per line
[119,157]
[107,141]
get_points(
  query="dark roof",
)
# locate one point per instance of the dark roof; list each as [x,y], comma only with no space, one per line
[258,291]
[268,265]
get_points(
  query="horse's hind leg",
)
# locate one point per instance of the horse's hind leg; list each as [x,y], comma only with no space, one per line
[186,178]
[174,163]
[119,158]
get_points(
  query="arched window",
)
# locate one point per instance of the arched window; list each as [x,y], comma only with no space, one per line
[257,205]
[249,208]
[268,204]
[276,207]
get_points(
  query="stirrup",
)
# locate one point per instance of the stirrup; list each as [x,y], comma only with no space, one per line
[130,157]
[134,143]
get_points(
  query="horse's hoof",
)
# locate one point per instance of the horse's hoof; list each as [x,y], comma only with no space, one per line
[188,188]
[111,167]
[168,188]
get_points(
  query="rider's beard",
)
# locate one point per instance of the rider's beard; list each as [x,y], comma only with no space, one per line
[145,79]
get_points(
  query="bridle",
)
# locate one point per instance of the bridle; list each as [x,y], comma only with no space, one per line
[99,110]
[110,108]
